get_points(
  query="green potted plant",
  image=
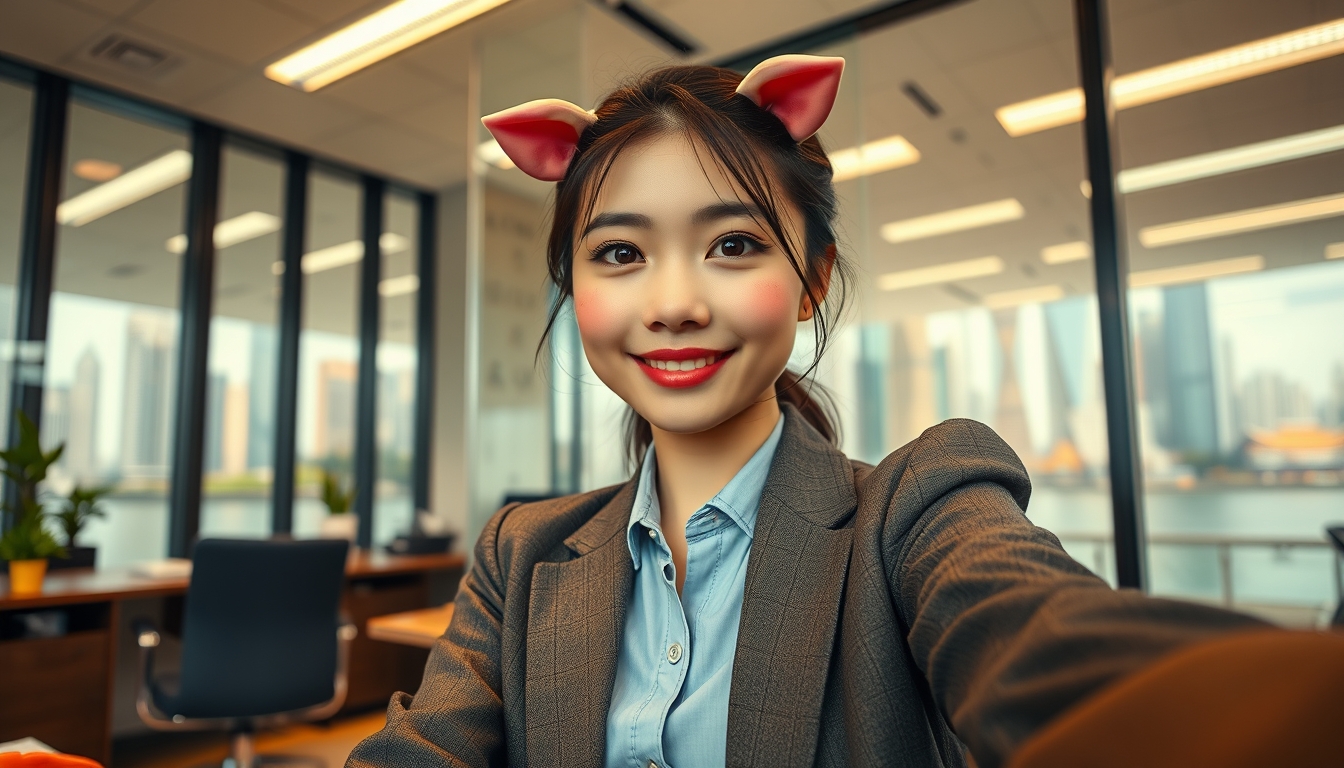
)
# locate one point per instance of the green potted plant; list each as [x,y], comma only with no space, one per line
[77,509]
[340,523]
[27,544]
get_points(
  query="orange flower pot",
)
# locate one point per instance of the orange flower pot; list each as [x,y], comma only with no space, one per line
[25,576]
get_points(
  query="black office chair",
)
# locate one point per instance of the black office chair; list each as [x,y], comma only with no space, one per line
[262,641]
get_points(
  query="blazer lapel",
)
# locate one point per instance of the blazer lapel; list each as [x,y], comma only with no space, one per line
[575,616]
[791,605]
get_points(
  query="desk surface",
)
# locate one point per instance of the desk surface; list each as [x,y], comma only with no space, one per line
[86,585]
[418,628]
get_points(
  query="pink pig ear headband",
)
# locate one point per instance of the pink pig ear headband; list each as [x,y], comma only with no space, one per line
[540,137]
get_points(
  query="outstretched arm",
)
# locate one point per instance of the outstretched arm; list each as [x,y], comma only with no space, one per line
[456,718]
[1008,630]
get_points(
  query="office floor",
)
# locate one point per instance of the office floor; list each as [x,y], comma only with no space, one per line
[331,742]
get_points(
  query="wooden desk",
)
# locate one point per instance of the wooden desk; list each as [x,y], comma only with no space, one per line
[62,690]
[418,628]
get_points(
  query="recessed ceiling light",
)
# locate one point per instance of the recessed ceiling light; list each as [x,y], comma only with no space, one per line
[1189,273]
[1334,251]
[1041,294]
[940,273]
[399,286]
[954,220]
[233,231]
[1193,74]
[92,169]
[373,38]
[1230,160]
[133,186]
[1063,253]
[340,255]
[490,152]
[872,157]
[1242,221]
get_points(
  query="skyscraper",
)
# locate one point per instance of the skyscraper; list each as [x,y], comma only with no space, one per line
[148,395]
[334,433]
[261,399]
[215,386]
[1188,358]
[81,448]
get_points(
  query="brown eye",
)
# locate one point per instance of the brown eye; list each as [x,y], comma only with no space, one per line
[735,246]
[619,254]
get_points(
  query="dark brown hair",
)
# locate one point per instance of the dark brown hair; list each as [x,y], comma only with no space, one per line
[752,147]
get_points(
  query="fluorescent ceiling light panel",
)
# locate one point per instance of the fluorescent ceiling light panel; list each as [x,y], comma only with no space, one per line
[1242,221]
[233,231]
[1230,160]
[1189,273]
[1041,294]
[1185,76]
[872,157]
[955,220]
[399,286]
[373,38]
[133,186]
[345,253]
[1334,251]
[1063,253]
[490,152]
[940,273]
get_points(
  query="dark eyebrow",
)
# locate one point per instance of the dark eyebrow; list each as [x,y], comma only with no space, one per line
[726,210]
[637,220]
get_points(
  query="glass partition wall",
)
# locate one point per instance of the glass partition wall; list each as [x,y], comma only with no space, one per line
[112,362]
[1234,190]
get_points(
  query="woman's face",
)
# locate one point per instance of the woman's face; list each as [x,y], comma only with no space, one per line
[686,304]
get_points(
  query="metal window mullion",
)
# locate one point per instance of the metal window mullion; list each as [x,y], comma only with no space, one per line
[37,256]
[366,408]
[1111,261]
[427,268]
[197,297]
[293,233]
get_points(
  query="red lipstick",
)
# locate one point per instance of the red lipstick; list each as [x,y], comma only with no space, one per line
[663,366]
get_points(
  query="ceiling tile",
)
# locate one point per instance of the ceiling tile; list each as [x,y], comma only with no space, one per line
[241,30]
[44,32]
[386,88]
[106,7]
[272,109]
[443,118]
[384,146]
[326,12]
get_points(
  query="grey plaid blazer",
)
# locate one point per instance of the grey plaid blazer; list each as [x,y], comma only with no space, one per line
[895,615]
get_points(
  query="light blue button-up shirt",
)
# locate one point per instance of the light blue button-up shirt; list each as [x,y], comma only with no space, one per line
[669,705]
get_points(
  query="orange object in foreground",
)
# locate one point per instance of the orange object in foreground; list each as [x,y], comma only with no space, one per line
[45,760]
[1252,699]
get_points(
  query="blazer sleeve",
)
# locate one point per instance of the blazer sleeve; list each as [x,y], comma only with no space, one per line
[1008,630]
[456,718]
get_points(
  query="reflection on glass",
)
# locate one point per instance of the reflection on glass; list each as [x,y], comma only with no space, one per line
[240,391]
[394,503]
[328,344]
[15,121]
[1235,208]
[111,369]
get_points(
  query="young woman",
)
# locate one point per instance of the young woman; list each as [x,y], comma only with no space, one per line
[751,597]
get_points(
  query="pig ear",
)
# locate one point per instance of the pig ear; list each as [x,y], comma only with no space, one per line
[540,136]
[800,90]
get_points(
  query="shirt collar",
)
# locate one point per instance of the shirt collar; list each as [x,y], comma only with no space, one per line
[738,499]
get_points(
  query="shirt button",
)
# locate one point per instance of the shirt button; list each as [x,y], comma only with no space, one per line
[652,535]
[674,653]
[652,764]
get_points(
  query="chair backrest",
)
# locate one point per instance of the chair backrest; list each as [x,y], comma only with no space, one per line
[259,635]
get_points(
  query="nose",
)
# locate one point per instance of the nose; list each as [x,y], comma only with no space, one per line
[676,299]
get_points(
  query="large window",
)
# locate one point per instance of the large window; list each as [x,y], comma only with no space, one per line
[111,368]
[399,290]
[1234,190]
[241,388]
[16,102]
[329,346]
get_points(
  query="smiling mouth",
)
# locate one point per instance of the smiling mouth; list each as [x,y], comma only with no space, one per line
[681,368]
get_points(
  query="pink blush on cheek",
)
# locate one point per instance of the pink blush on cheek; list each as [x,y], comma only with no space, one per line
[593,314]
[770,303]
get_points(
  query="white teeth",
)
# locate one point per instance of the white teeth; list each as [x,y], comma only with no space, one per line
[687,365]
[681,365]
[700,363]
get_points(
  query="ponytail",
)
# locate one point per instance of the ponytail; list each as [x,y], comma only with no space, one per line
[812,400]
